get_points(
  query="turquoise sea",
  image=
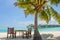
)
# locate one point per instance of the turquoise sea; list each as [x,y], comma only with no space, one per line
[40,29]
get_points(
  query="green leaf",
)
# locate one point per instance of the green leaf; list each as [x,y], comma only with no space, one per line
[48,13]
[44,16]
[58,18]
[54,2]
[28,11]
[55,15]
[53,12]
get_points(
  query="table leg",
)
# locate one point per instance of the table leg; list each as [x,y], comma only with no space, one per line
[15,34]
[19,34]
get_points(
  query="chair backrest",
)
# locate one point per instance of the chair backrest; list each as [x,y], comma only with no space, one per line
[29,30]
[10,30]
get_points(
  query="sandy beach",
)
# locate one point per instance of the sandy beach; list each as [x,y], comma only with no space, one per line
[54,35]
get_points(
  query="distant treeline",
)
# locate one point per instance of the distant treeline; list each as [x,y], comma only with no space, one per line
[43,26]
[48,26]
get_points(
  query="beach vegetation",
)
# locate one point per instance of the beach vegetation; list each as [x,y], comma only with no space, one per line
[40,9]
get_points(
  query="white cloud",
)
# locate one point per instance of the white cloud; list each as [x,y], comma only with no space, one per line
[26,23]
[53,21]
[41,22]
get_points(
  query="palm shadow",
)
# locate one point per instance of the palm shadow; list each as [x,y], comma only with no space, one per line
[57,38]
[17,38]
[45,36]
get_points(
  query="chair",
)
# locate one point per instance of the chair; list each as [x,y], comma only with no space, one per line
[11,33]
[28,33]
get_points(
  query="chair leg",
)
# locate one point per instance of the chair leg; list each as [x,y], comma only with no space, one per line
[27,36]
[23,35]
[10,35]
[15,35]
[7,35]
[30,36]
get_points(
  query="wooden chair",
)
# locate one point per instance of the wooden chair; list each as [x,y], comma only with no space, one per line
[11,33]
[28,33]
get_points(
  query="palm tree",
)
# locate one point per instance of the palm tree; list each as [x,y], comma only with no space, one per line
[41,9]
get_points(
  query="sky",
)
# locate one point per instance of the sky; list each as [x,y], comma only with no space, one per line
[11,16]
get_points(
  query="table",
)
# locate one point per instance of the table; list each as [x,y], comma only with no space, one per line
[23,31]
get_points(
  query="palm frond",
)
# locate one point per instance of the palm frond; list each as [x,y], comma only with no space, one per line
[55,15]
[48,12]
[32,5]
[28,11]
[23,3]
[53,12]
[57,18]
[55,2]
[45,16]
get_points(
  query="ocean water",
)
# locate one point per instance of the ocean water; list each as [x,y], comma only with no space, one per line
[40,29]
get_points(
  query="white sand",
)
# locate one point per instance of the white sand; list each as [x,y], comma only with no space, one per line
[54,33]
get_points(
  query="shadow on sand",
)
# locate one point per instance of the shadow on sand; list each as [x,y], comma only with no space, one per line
[44,37]
[17,38]
[57,38]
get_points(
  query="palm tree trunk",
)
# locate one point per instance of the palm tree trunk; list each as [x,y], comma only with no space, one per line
[37,35]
